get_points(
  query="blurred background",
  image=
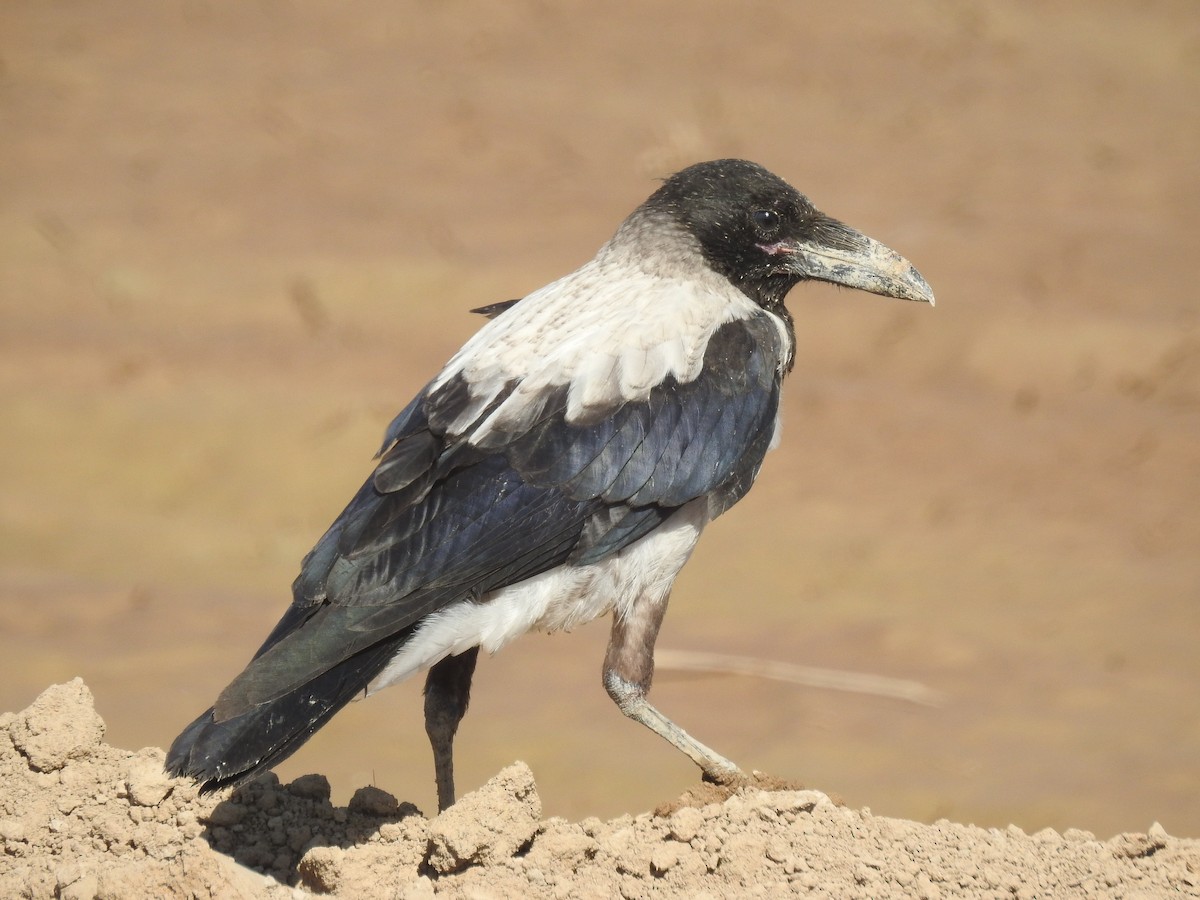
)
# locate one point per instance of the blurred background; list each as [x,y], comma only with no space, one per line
[236,238]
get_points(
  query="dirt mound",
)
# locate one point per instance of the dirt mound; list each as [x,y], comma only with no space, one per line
[82,819]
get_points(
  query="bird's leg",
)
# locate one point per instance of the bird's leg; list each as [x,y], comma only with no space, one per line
[628,671]
[447,693]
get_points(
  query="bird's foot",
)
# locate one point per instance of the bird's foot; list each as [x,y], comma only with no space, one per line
[737,779]
[711,790]
[724,776]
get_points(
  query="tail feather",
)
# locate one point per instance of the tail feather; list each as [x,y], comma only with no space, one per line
[230,752]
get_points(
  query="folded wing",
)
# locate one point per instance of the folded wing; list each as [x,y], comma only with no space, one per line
[442,521]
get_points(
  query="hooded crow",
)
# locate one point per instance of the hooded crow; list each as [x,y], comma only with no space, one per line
[559,467]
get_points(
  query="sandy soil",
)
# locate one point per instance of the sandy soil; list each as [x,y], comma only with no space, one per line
[236,238]
[82,819]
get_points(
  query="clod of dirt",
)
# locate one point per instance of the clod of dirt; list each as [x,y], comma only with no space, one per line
[62,724]
[80,819]
[487,825]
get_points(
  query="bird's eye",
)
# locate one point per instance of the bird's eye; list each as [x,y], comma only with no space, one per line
[765,220]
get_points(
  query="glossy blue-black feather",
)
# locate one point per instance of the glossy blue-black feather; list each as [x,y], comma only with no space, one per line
[441,521]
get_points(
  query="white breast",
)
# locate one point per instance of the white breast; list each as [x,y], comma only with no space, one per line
[557,600]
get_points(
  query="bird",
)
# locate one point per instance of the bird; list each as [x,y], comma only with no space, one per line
[560,467]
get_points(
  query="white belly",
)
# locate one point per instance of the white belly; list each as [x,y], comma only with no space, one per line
[560,599]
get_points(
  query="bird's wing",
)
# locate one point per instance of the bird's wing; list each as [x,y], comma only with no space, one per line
[442,520]
[705,437]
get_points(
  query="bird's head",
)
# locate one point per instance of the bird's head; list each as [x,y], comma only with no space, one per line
[766,237]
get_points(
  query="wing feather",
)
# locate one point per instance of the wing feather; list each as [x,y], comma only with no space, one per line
[441,521]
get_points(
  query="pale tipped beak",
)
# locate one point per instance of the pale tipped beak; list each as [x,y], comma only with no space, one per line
[840,255]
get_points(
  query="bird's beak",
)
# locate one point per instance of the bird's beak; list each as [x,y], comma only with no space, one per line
[841,255]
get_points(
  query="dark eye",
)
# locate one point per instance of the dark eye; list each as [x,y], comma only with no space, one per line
[765,220]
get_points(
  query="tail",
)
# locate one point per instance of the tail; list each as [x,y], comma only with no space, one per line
[227,752]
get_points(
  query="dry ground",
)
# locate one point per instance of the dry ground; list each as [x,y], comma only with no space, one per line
[80,819]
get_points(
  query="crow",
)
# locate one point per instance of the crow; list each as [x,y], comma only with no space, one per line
[561,466]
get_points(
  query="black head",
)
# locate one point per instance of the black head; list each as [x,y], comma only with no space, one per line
[765,236]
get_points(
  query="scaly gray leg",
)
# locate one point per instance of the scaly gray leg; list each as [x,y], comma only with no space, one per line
[628,671]
[447,693]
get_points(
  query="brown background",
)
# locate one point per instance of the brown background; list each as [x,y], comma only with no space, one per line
[236,238]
